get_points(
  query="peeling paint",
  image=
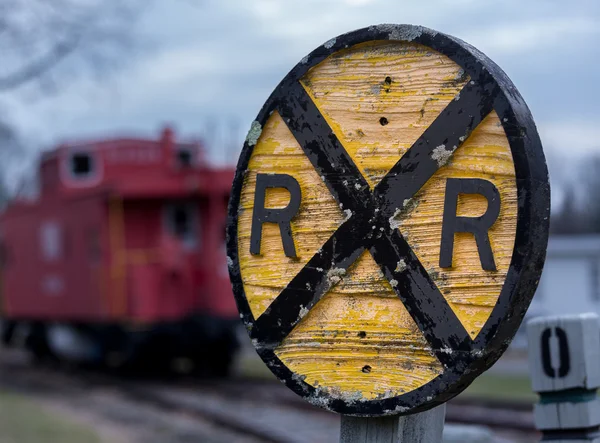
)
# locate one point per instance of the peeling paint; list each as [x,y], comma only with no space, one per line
[442,155]
[400,266]
[393,283]
[348,213]
[254,133]
[395,224]
[229,262]
[329,44]
[303,311]
[350,397]
[304,60]
[298,378]
[319,401]
[334,275]
[401,32]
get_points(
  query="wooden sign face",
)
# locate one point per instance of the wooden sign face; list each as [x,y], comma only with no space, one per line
[388,221]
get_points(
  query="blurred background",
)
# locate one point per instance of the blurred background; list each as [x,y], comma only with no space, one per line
[94,90]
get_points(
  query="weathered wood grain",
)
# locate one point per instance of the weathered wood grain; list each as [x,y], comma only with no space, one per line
[425,427]
[470,291]
[359,340]
[407,84]
[265,275]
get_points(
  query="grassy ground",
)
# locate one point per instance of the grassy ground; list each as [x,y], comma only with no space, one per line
[501,387]
[23,421]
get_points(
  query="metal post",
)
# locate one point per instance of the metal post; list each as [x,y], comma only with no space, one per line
[425,427]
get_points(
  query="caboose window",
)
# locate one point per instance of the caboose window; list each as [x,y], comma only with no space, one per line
[82,164]
[51,241]
[181,222]
[184,156]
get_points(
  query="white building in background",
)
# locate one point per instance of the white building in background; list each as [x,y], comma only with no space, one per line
[570,282]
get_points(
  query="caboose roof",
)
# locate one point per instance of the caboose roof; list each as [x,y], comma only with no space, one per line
[147,168]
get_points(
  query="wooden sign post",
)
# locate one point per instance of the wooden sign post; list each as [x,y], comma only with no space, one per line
[388,221]
[564,362]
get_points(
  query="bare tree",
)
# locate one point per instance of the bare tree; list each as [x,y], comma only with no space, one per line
[11,152]
[568,219]
[39,36]
[580,209]
[46,44]
[588,191]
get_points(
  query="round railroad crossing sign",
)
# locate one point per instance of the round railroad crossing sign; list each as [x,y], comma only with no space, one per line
[388,221]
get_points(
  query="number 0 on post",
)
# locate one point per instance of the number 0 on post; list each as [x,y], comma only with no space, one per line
[388,221]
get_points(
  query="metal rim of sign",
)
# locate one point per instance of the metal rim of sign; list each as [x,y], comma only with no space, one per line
[466,359]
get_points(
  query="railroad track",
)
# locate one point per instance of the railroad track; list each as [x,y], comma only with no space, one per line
[240,415]
[263,410]
[505,415]
[502,414]
[224,415]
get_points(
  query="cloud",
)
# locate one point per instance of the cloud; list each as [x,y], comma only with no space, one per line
[568,136]
[222,58]
[527,35]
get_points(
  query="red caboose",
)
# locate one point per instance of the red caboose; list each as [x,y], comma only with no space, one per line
[122,256]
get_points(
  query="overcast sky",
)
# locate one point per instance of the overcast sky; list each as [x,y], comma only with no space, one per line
[216,61]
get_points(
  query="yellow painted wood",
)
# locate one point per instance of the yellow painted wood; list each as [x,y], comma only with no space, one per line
[351,91]
[471,291]
[265,276]
[359,342]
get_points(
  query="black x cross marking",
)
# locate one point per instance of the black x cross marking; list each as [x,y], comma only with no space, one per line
[370,227]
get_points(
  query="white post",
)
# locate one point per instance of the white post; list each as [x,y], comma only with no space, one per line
[425,427]
[564,363]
